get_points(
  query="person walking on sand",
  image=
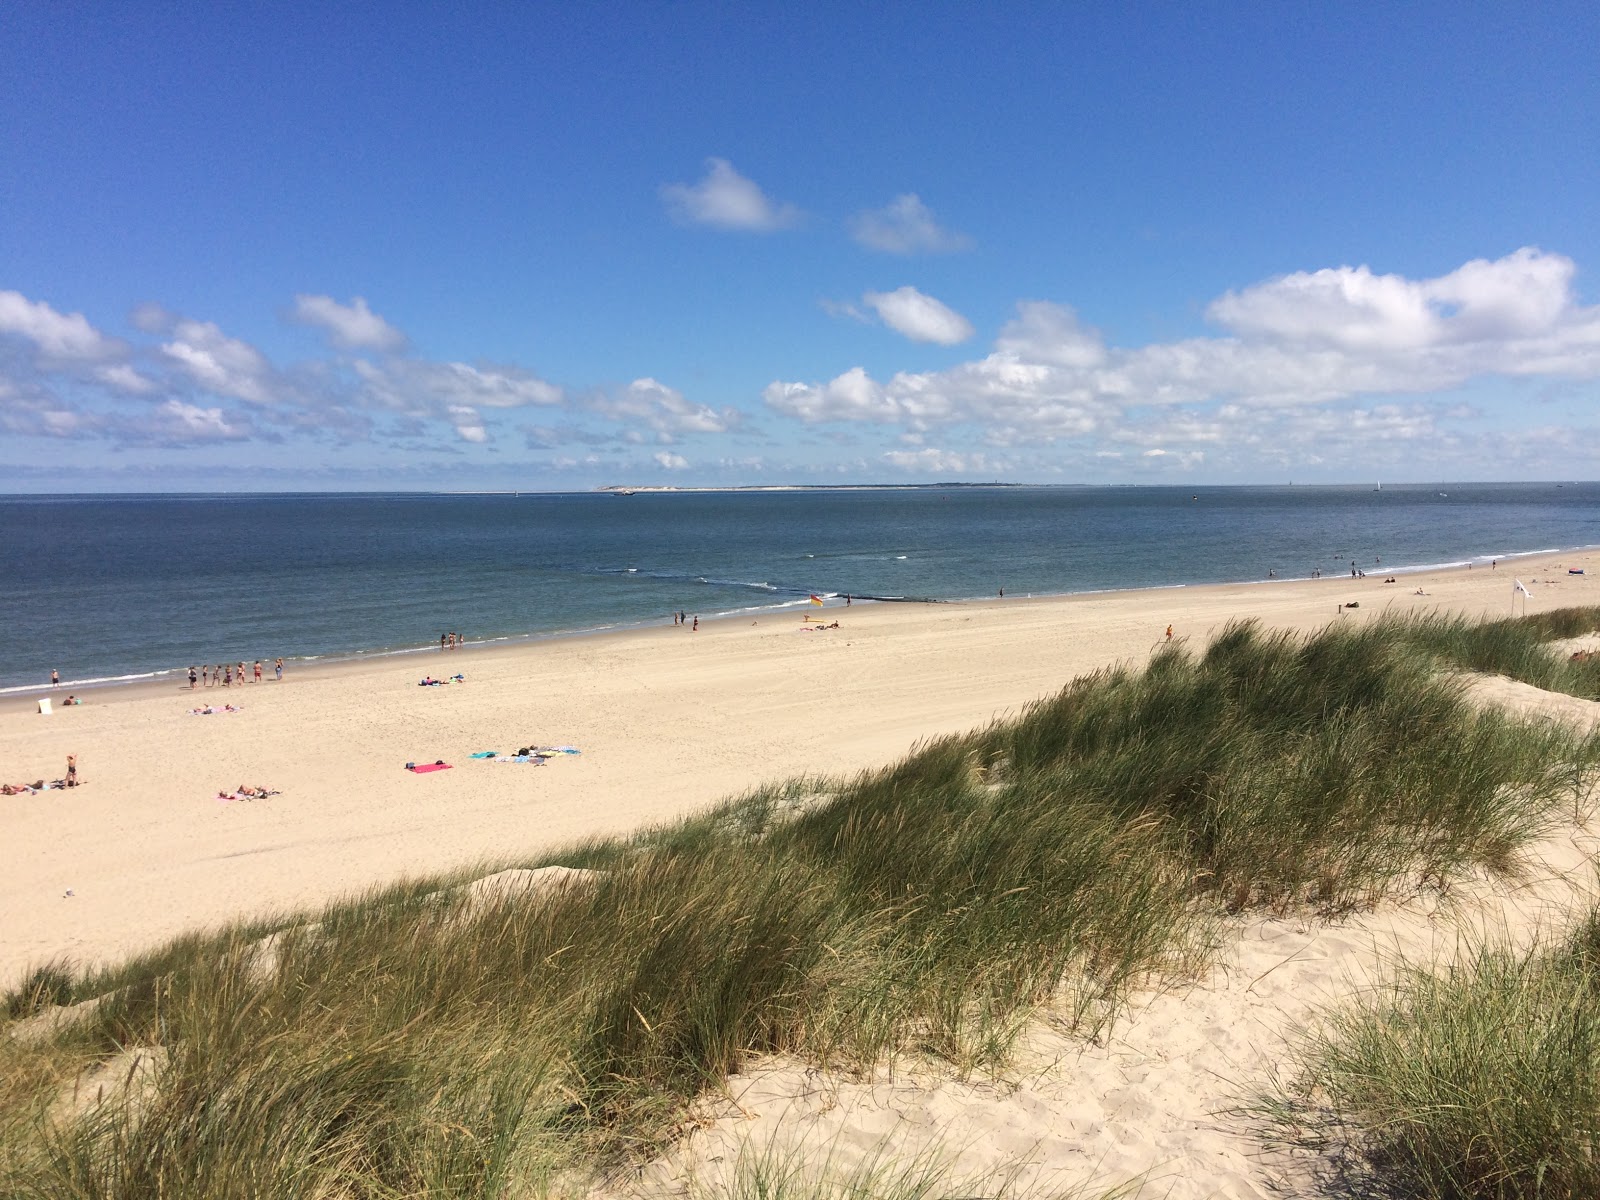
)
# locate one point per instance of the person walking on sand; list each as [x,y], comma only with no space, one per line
[72,770]
[1169,633]
[227,677]
[277,668]
[258,671]
[193,676]
[696,628]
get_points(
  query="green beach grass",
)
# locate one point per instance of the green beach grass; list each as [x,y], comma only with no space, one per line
[418,1041]
[1479,1081]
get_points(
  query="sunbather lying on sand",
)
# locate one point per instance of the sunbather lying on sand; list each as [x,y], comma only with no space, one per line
[246,792]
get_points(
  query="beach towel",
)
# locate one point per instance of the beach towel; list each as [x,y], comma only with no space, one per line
[519,758]
[484,754]
[424,768]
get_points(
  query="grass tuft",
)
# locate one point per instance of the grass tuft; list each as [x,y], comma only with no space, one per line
[1481,1081]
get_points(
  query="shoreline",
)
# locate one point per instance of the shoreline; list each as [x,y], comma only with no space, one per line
[669,721]
[175,678]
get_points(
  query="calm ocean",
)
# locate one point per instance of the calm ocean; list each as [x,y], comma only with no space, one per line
[113,588]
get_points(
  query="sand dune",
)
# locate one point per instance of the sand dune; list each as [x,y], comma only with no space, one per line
[1159,1101]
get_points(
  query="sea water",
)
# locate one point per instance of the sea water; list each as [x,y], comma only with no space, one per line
[113,588]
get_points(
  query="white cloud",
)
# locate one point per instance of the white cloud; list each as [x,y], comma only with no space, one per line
[942,462]
[351,326]
[1522,295]
[125,379]
[420,387]
[663,409]
[65,336]
[919,317]
[180,422]
[1305,342]
[905,226]
[1050,333]
[672,462]
[725,199]
[220,364]
[467,422]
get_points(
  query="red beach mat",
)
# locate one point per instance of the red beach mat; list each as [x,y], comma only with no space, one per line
[424,768]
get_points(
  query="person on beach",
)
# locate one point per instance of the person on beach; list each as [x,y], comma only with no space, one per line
[72,770]
[239,674]
[193,676]
[55,677]
[227,677]
[277,668]
[696,628]
[258,671]
[1169,633]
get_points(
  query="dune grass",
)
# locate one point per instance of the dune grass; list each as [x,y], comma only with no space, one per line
[1481,1081]
[417,1042]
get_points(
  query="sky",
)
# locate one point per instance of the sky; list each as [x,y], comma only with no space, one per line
[255,247]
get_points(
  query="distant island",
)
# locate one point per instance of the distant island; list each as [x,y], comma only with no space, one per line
[617,489]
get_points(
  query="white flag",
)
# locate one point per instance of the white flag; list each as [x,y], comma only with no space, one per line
[1523,588]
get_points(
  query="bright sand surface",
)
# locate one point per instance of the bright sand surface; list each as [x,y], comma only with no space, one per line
[668,720]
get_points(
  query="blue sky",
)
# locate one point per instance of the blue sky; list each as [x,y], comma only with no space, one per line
[552,247]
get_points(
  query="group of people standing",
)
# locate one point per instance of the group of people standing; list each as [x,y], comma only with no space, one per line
[682,618]
[224,675]
[449,641]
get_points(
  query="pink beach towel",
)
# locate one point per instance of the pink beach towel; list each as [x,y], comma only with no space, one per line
[424,768]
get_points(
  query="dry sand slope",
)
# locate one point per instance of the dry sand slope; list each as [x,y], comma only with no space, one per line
[668,721]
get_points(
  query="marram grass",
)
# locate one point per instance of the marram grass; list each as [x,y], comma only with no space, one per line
[414,1044]
[1481,1081]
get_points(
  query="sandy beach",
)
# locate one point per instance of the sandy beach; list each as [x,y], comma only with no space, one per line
[668,720]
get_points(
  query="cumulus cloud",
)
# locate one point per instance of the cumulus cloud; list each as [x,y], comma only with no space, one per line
[220,364]
[905,226]
[125,379]
[671,462]
[420,387]
[942,462]
[468,424]
[176,421]
[1300,342]
[919,316]
[663,409]
[351,326]
[65,336]
[1521,295]
[725,199]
